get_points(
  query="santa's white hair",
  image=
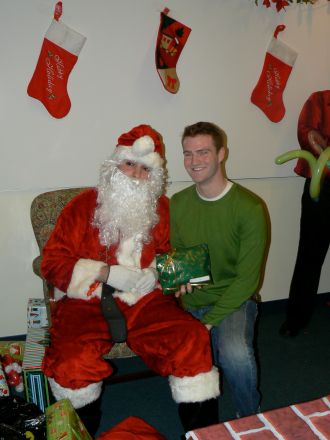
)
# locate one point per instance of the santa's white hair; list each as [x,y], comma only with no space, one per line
[126,207]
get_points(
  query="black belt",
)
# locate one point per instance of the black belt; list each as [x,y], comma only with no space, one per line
[113,315]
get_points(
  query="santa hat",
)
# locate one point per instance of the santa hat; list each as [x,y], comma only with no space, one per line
[142,144]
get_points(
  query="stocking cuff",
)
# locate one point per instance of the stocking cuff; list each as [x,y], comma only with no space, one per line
[65,37]
[282,51]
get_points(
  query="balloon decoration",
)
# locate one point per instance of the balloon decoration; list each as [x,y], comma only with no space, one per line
[316,166]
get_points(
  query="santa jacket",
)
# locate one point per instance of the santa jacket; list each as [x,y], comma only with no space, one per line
[73,255]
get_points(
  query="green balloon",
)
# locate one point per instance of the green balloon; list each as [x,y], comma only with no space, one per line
[317,166]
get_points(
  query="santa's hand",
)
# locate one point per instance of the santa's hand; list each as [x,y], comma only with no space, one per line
[148,281]
[122,278]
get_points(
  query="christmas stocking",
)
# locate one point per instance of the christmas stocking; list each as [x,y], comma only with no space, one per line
[172,37]
[267,94]
[59,53]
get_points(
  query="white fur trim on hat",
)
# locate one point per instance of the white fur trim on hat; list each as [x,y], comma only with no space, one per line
[79,397]
[141,151]
[203,386]
[143,146]
[84,274]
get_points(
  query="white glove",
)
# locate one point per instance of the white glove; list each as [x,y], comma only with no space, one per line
[148,281]
[122,278]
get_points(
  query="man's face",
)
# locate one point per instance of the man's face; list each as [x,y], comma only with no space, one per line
[201,159]
[134,169]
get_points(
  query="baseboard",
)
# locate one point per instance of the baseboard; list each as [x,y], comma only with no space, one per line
[280,304]
[13,338]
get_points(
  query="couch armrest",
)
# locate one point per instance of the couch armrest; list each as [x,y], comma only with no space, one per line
[36,263]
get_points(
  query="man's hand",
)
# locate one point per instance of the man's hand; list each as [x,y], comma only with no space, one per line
[122,278]
[316,141]
[148,281]
[185,288]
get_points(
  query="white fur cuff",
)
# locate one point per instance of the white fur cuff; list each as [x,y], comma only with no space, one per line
[79,397]
[203,386]
[129,298]
[84,275]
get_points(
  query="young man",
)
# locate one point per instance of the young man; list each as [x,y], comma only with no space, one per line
[232,221]
[111,234]
[313,136]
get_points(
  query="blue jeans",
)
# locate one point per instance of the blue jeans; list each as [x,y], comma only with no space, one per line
[233,351]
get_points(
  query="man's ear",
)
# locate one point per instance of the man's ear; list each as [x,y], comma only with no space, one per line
[316,141]
[221,154]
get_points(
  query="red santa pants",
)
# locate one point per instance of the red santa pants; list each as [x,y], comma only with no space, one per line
[168,339]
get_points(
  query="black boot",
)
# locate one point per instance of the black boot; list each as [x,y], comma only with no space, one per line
[198,414]
[90,415]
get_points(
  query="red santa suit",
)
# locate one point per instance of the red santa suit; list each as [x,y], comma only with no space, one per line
[168,339]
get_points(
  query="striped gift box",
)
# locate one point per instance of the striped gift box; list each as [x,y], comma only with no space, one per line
[36,384]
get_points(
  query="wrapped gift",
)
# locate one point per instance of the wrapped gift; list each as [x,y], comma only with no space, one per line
[36,313]
[13,348]
[64,423]
[11,357]
[36,383]
[21,420]
[4,389]
[185,265]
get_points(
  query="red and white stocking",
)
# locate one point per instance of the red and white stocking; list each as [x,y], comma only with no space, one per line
[172,37]
[58,55]
[268,93]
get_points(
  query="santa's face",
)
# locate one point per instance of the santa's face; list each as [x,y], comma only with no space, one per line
[127,201]
[135,170]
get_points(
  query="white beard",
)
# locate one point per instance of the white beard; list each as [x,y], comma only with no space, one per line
[127,207]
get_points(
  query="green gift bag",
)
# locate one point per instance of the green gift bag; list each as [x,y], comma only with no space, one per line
[184,265]
[64,423]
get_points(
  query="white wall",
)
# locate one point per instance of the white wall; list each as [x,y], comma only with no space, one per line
[115,86]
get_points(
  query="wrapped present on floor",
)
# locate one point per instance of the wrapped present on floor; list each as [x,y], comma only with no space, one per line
[21,420]
[13,348]
[37,313]
[11,376]
[132,428]
[36,383]
[181,266]
[64,423]
[4,389]
[13,373]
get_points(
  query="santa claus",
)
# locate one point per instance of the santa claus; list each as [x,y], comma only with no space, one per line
[111,235]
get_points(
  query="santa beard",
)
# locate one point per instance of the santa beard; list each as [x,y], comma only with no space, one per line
[127,207]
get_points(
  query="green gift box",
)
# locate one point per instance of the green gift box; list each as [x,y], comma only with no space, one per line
[184,265]
[64,423]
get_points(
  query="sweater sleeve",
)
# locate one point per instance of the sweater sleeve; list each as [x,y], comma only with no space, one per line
[253,240]
[315,115]
[310,118]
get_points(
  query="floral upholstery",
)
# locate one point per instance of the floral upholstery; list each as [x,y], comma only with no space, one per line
[45,209]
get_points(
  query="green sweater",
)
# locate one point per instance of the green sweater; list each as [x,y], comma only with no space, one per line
[235,229]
